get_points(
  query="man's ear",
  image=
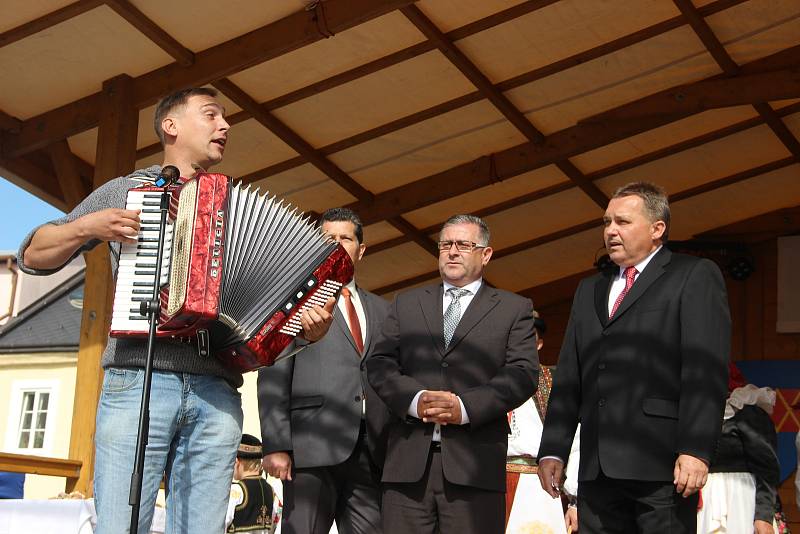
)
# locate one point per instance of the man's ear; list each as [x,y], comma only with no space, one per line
[170,126]
[659,227]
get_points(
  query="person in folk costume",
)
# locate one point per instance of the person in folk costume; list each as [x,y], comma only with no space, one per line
[253,507]
[528,507]
[741,495]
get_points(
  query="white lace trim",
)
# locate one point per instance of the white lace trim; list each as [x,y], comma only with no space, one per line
[749,394]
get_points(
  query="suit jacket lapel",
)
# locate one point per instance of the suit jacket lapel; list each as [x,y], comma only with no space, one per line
[431,304]
[602,288]
[371,331]
[339,320]
[481,304]
[651,273]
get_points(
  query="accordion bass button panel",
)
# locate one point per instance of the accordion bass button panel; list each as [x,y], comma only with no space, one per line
[316,297]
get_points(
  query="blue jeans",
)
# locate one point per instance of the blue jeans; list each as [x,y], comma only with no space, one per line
[195,429]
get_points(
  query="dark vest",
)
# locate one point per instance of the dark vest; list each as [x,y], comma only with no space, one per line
[255,511]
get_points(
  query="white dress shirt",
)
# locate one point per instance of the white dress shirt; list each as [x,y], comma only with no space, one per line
[618,285]
[464,301]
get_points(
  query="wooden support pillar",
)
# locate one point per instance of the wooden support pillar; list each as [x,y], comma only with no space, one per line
[116,156]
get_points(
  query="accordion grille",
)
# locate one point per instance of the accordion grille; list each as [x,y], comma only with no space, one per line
[182,247]
[270,250]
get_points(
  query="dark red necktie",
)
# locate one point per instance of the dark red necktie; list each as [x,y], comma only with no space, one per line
[355,326]
[630,276]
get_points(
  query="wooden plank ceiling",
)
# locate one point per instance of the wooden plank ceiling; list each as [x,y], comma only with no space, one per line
[528,113]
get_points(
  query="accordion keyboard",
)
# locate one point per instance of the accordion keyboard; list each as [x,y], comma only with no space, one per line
[137,263]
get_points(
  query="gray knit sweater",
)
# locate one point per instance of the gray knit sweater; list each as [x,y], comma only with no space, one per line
[128,352]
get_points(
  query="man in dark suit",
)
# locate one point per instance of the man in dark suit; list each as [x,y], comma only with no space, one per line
[322,426]
[452,360]
[643,367]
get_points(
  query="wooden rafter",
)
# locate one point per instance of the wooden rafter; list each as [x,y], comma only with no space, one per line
[7,122]
[373,66]
[459,102]
[313,156]
[731,68]
[47,21]
[604,172]
[565,143]
[67,173]
[597,223]
[152,31]
[277,38]
[496,97]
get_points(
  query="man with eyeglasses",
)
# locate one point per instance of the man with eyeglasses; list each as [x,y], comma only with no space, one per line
[452,360]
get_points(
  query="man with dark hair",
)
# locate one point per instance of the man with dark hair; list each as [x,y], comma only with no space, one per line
[452,360]
[322,425]
[195,408]
[643,367]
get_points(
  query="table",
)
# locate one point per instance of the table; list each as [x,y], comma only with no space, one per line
[57,516]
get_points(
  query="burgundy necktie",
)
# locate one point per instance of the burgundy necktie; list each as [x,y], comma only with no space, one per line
[630,276]
[355,326]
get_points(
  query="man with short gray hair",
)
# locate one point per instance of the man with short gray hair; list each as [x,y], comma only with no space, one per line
[452,360]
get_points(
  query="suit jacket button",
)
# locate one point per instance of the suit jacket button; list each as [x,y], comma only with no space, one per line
[357,398]
[601,366]
[444,364]
[601,402]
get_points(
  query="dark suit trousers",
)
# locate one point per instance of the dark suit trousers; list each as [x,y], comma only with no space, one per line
[348,493]
[434,505]
[614,506]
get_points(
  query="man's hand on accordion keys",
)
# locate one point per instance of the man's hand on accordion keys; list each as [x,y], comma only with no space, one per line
[111,224]
[316,321]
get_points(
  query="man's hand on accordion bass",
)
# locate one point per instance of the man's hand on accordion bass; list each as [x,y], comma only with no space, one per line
[316,321]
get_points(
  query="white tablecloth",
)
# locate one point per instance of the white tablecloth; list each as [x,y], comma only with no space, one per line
[56,516]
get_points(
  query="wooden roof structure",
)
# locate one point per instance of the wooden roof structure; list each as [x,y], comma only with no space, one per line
[526,112]
[529,113]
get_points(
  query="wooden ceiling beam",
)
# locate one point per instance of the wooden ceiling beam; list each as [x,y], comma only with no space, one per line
[34,179]
[313,156]
[714,93]
[496,97]
[47,21]
[779,128]
[152,31]
[571,141]
[731,68]
[291,138]
[277,38]
[511,83]
[597,223]
[603,173]
[69,179]
[407,53]
[7,122]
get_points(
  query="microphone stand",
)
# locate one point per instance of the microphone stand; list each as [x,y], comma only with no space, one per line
[151,309]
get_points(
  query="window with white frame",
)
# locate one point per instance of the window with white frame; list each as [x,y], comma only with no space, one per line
[32,417]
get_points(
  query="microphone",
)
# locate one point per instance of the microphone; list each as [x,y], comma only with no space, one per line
[168,176]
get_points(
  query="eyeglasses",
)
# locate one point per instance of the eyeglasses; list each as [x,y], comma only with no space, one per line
[461,245]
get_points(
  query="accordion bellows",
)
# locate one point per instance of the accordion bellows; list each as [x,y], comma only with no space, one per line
[239,268]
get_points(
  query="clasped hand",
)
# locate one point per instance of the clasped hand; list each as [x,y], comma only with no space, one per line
[442,407]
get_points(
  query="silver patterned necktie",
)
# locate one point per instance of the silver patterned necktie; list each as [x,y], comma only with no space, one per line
[453,313]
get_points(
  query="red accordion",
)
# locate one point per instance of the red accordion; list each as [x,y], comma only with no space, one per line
[239,268]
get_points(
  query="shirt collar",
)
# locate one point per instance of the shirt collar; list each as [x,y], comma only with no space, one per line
[642,264]
[473,287]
